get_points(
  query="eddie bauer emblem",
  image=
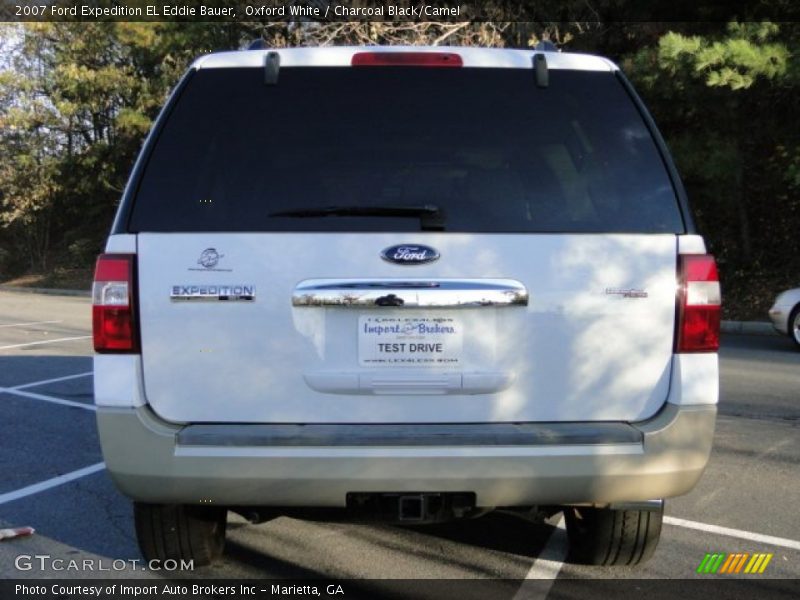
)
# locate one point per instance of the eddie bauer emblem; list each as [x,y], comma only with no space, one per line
[209,259]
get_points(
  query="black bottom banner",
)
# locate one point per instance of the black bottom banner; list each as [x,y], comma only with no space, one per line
[438,589]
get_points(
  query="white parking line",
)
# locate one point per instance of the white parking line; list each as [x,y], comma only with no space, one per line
[51,483]
[54,380]
[68,339]
[737,533]
[546,566]
[17,391]
[44,398]
[30,323]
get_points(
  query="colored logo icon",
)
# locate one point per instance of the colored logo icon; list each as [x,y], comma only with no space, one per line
[721,563]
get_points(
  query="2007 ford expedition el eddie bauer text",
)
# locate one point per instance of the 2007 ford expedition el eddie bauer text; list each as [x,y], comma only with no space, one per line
[416,284]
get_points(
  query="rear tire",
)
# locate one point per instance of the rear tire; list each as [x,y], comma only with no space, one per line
[180,532]
[602,536]
[794,325]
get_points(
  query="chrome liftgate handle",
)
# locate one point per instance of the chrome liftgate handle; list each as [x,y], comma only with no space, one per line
[410,293]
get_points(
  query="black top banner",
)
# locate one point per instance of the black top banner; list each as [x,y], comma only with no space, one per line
[398,10]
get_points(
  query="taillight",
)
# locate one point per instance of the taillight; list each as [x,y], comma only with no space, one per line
[113,322]
[406,59]
[699,304]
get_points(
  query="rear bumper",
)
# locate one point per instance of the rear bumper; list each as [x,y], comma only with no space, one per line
[154,461]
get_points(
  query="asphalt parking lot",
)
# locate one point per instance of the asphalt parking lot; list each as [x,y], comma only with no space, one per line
[53,480]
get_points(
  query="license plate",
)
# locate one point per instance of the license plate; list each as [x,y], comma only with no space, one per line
[409,341]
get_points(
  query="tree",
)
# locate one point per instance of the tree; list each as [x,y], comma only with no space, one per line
[77,101]
[723,97]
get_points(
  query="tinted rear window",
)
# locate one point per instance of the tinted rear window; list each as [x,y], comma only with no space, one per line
[495,152]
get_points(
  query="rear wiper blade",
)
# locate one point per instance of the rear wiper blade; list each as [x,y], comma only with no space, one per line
[430,216]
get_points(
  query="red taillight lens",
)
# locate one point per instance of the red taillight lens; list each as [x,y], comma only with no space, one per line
[113,323]
[699,304]
[406,59]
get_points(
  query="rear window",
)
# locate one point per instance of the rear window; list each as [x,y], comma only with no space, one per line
[487,147]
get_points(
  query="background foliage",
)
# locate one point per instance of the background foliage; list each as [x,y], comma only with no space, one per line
[76,101]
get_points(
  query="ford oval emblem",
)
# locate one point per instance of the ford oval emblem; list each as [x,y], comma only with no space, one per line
[410,254]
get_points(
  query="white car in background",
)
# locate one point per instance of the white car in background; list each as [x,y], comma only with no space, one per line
[785,314]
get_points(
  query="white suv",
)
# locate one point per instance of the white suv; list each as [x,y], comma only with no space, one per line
[412,283]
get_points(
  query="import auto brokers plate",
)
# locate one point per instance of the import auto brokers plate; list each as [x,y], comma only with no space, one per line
[409,341]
